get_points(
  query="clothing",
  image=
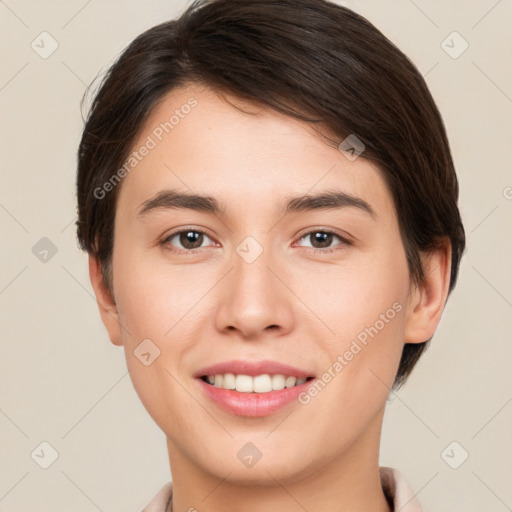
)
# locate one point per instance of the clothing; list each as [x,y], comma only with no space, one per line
[397,491]
[395,488]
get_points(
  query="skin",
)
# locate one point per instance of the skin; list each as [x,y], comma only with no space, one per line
[211,306]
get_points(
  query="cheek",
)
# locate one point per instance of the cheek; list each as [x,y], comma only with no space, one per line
[150,305]
[155,299]
[351,297]
[364,309]
[361,364]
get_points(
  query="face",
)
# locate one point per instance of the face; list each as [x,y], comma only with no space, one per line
[259,283]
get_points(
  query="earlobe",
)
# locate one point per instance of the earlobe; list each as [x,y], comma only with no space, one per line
[426,303]
[106,303]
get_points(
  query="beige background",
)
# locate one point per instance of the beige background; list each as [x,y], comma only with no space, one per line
[61,381]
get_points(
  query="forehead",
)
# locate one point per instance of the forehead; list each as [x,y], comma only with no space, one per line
[196,141]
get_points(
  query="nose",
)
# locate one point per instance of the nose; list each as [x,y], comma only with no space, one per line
[254,300]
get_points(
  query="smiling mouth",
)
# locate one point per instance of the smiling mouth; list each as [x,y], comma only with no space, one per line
[264,383]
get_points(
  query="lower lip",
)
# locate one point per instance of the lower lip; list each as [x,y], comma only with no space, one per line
[252,404]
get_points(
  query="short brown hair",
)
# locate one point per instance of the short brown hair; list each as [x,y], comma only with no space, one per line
[310,59]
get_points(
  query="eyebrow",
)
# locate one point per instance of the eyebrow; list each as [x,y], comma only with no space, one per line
[330,199]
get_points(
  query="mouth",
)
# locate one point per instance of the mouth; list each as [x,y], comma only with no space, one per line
[253,389]
[263,383]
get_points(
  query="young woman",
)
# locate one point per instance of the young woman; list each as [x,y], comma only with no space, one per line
[268,200]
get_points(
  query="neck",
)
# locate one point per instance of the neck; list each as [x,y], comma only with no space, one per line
[348,482]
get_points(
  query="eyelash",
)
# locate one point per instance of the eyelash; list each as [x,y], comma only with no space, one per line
[166,242]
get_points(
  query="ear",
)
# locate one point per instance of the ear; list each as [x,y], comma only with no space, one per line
[106,303]
[426,302]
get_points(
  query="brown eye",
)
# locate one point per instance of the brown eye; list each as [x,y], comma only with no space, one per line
[321,239]
[188,239]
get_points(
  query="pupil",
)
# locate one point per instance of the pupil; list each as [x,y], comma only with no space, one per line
[323,238]
[189,239]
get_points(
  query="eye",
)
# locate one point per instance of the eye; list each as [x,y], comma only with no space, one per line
[321,240]
[188,240]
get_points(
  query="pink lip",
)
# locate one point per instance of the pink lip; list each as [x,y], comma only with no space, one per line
[252,404]
[253,368]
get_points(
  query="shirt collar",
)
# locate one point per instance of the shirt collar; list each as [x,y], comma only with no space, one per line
[397,491]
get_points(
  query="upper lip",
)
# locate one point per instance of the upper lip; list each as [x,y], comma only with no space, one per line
[253,368]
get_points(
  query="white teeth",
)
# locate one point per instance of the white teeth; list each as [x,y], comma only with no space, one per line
[290,382]
[259,384]
[229,381]
[243,383]
[278,382]
[262,384]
